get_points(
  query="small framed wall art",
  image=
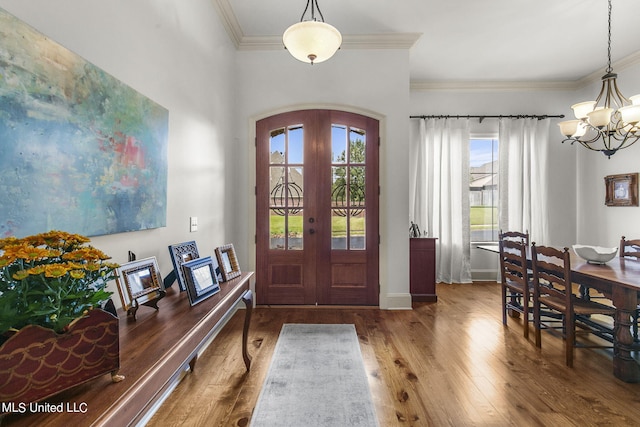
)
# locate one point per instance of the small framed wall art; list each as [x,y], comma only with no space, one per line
[139,284]
[201,279]
[228,262]
[621,190]
[181,253]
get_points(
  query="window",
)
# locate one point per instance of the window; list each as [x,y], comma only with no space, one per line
[483,189]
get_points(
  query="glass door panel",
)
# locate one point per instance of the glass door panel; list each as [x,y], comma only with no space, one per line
[286,183]
[348,188]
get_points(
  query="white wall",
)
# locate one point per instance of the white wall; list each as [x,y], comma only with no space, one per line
[599,224]
[375,81]
[562,204]
[177,54]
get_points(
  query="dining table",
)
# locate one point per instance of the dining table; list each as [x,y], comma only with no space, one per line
[619,281]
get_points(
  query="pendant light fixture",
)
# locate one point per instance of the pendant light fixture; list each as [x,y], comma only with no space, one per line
[611,122]
[312,40]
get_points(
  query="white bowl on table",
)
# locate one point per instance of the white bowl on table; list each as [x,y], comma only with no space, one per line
[595,254]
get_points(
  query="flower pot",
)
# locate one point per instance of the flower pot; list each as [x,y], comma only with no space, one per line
[36,363]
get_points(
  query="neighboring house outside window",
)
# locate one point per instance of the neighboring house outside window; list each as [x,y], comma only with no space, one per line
[483,189]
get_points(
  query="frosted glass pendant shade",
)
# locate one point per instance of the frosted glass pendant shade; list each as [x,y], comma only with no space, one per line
[630,114]
[312,41]
[600,117]
[581,109]
[572,128]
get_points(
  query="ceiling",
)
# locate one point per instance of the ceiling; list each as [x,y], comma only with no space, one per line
[462,41]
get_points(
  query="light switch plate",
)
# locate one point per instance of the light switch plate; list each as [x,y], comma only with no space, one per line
[193,223]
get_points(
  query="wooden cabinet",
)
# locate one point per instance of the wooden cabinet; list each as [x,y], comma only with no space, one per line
[422,265]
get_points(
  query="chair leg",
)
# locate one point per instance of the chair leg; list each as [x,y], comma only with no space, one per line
[570,337]
[536,324]
[504,305]
[525,317]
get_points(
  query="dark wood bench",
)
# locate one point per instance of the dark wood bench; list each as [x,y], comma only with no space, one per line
[154,351]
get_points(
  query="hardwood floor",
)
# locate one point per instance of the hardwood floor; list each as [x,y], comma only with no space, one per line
[450,363]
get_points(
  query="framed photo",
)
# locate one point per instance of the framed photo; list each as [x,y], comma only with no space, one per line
[181,253]
[201,279]
[228,262]
[138,283]
[621,190]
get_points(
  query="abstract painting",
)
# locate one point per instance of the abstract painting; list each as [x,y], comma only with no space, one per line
[80,151]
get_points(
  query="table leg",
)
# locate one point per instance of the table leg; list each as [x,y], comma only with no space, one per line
[624,365]
[247,298]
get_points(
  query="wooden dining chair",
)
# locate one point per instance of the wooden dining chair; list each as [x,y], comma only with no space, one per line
[517,236]
[553,291]
[631,249]
[515,281]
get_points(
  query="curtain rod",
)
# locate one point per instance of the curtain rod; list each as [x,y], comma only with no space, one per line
[510,116]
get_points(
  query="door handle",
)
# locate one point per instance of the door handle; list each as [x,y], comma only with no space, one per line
[312,231]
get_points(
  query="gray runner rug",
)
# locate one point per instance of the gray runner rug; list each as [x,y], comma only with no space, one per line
[316,378]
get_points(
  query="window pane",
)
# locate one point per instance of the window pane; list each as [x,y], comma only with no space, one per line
[339,186]
[356,146]
[483,189]
[357,185]
[296,145]
[338,230]
[277,146]
[338,144]
[276,229]
[295,230]
[295,184]
[277,187]
[357,229]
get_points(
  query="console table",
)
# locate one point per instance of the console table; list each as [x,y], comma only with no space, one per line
[154,351]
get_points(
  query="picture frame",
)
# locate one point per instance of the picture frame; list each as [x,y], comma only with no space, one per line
[621,189]
[181,253]
[201,279]
[139,283]
[228,262]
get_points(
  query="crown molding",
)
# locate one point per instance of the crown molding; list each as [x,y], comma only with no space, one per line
[490,86]
[502,86]
[229,21]
[622,64]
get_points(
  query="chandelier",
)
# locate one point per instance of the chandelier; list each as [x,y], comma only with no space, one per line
[312,40]
[608,124]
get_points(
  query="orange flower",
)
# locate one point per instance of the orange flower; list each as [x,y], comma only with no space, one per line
[55,270]
[20,275]
[6,260]
[38,269]
[77,274]
[92,266]
[8,241]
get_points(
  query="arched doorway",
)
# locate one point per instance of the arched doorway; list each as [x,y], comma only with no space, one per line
[317,208]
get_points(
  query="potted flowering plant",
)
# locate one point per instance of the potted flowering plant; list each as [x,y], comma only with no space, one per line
[52,288]
[50,279]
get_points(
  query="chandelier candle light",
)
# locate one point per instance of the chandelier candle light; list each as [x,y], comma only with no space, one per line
[312,40]
[611,117]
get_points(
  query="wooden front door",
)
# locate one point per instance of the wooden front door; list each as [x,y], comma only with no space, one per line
[317,208]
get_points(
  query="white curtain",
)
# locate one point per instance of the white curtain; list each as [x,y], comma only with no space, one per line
[524,145]
[439,192]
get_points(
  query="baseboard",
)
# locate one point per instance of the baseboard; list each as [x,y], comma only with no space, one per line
[484,276]
[395,301]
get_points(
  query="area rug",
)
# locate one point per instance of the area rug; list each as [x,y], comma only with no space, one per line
[316,379]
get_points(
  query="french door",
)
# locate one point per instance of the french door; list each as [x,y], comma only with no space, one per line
[317,208]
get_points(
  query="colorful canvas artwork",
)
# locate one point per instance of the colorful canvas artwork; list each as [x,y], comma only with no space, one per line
[79,150]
